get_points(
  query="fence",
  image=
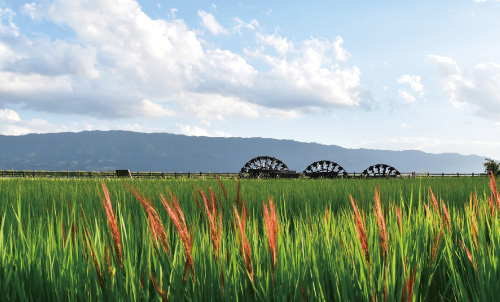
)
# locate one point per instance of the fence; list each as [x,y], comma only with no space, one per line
[191,175]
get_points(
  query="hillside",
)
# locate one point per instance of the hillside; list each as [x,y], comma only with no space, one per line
[110,150]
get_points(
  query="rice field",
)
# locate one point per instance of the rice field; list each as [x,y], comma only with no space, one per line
[250,240]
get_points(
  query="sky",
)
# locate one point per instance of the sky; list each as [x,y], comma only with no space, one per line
[393,75]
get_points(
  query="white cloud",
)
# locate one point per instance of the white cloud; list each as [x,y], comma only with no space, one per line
[252,25]
[208,20]
[149,108]
[414,82]
[280,44]
[215,107]
[198,131]
[7,114]
[12,124]
[7,26]
[308,77]
[282,114]
[476,91]
[341,53]
[120,63]
[408,98]
[406,126]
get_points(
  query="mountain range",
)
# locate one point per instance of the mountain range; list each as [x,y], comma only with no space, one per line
[164,152]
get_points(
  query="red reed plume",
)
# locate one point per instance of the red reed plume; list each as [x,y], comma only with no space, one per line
[244,245]
[175,212]
[271,223]
[377,209]
[106,202]
[155,225]
[361,231]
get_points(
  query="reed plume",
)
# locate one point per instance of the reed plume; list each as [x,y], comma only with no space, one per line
[377,210]
[494,191]
[271,223]
[96,264]
[446,216]
[175,212]
[398,213]
[434,202]
[244,245]
[155,225]
[63,229]
[361,231]
[469,255]
[160,290]
[106,202]
[215,228]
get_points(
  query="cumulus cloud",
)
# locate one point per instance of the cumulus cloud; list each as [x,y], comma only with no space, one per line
[9,115]
[407,98]
[476,90]
[414,82]
[12,124]
[215,107]
[120,63]
[240,24]
[208,20]
[308,77]
[341,53]
[415,85]
[198,131]
[280,44]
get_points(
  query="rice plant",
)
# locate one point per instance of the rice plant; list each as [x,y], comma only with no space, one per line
[251,240]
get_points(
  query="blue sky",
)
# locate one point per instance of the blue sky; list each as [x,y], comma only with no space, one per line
[397,75]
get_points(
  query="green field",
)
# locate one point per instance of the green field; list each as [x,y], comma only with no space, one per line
[62,240]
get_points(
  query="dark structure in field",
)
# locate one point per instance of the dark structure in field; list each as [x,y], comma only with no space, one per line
[271,167]
[123,173]
[267,167]
[325,169]
[381,170]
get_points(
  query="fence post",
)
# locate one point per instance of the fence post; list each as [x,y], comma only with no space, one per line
[175,175]
[458,175]
[189,174]
[472,174]
[442,174]
[201,174]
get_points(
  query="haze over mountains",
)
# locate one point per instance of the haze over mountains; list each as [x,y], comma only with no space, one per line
[163,152]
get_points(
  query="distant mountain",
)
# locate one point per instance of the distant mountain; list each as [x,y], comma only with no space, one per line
[163,152]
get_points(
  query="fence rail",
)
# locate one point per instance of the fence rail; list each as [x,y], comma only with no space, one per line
[192,175]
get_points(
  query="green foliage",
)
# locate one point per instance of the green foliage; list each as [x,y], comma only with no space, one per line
[46,252]
[492,166]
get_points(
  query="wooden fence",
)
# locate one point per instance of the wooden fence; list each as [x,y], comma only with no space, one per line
[191,175]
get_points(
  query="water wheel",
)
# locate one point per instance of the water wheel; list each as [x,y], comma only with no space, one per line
[325,169]
[381,170]
[264,167]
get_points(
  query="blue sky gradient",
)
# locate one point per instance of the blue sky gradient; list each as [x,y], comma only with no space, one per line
[395,75]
